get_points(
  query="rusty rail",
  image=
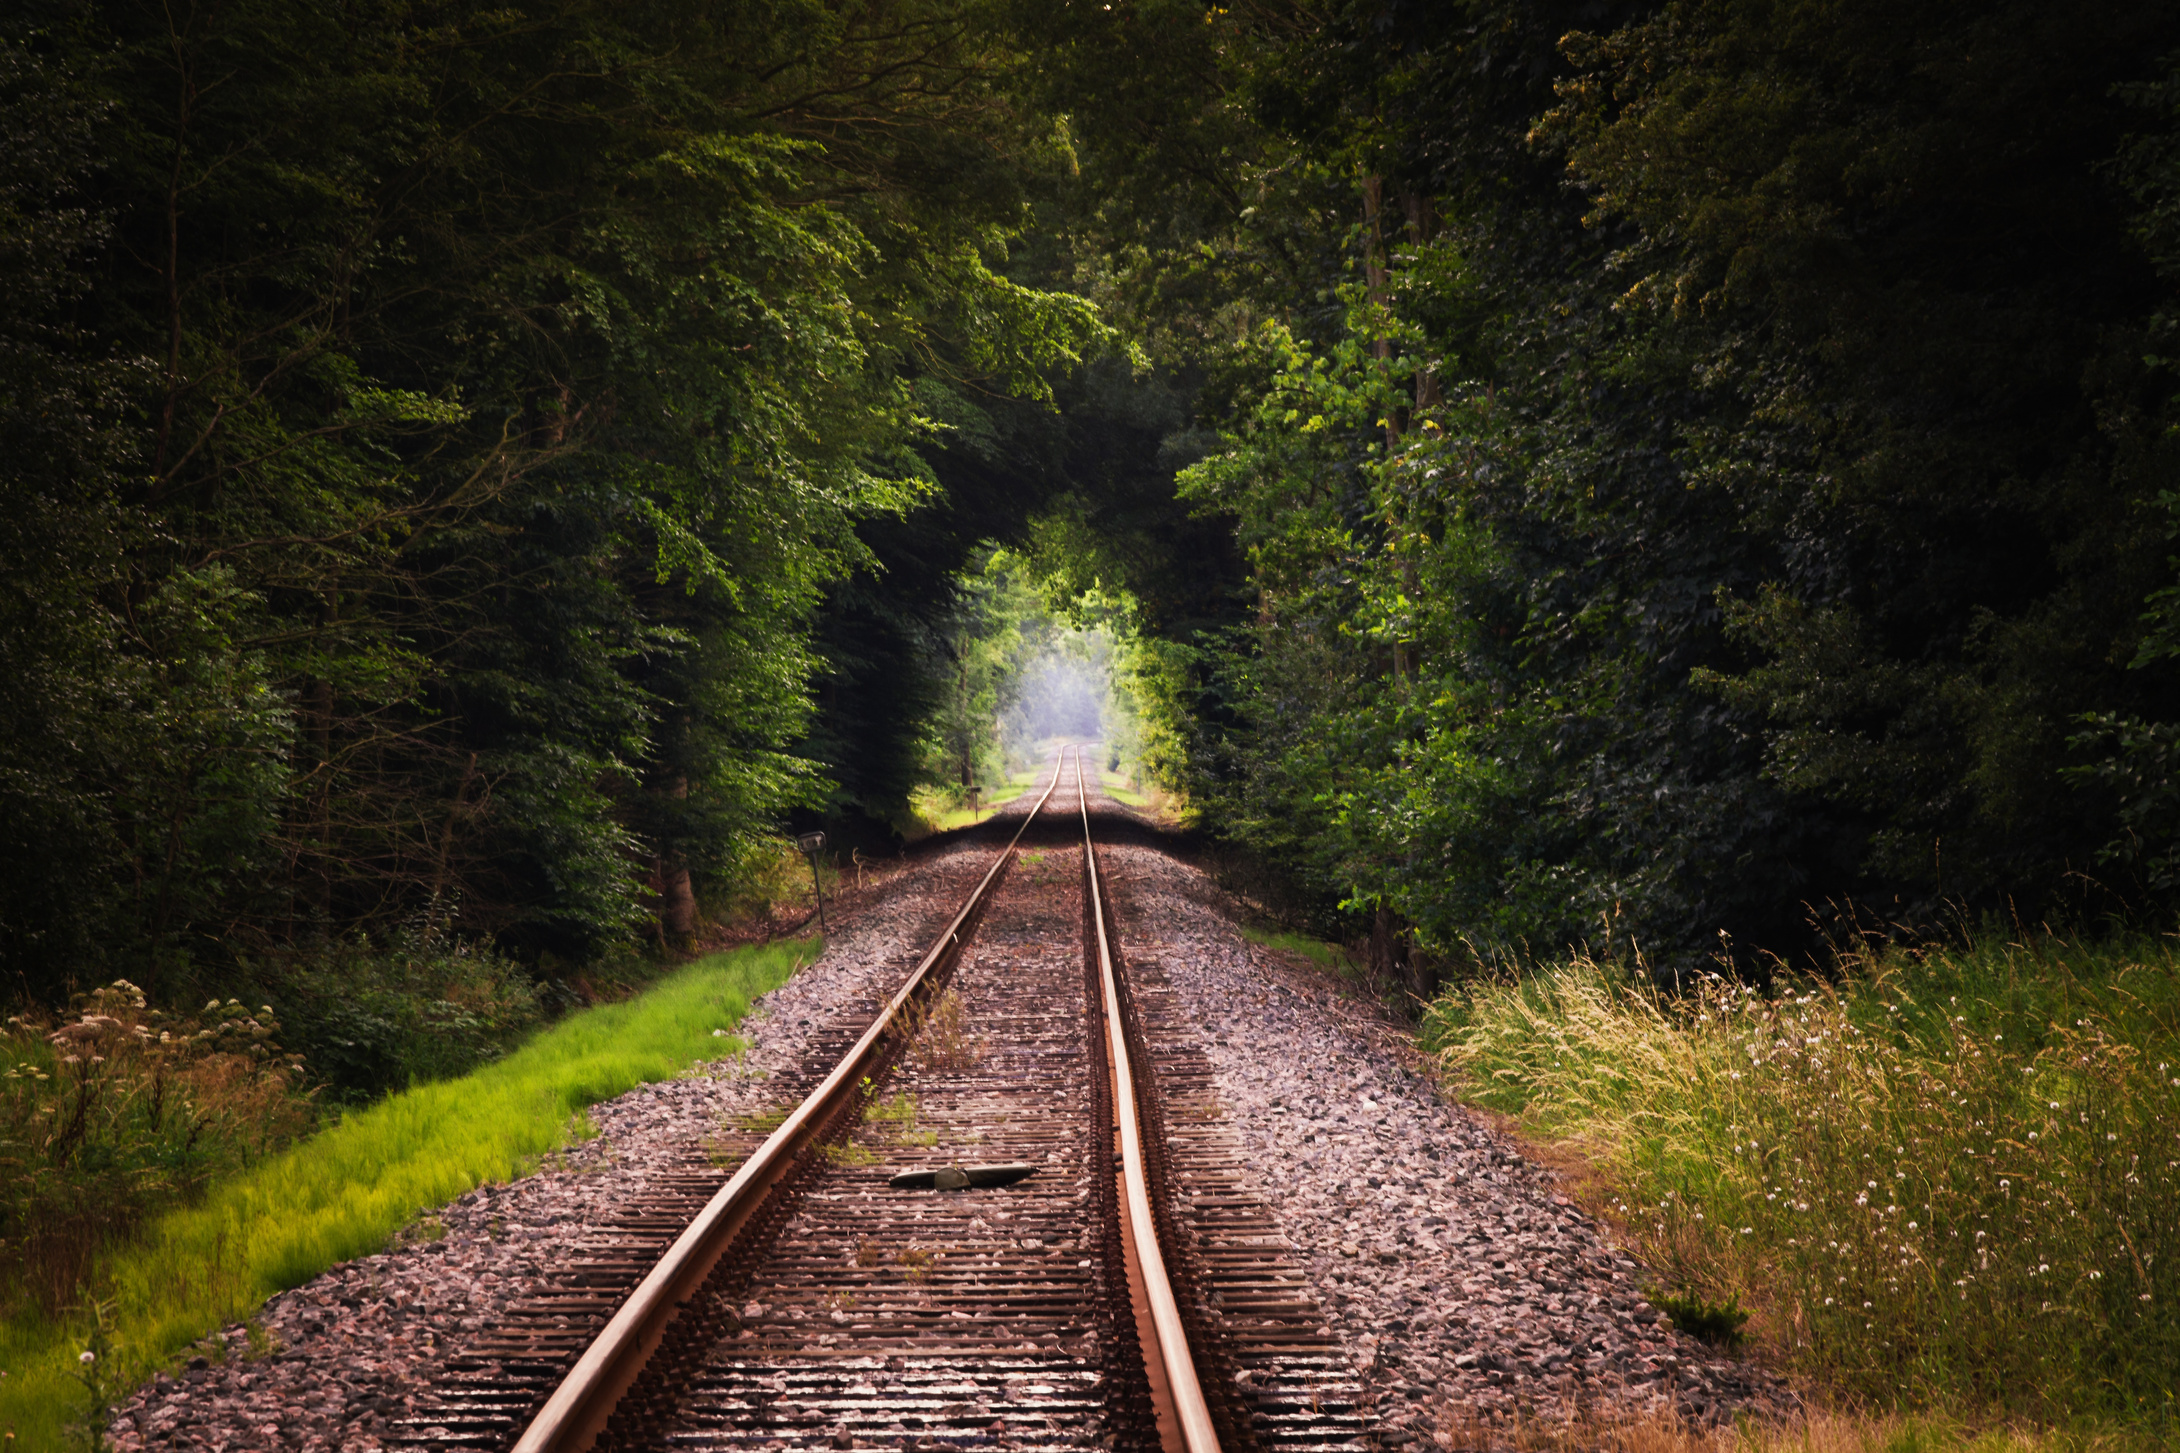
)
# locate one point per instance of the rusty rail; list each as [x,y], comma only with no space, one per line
[576,1413]
[1179,1390]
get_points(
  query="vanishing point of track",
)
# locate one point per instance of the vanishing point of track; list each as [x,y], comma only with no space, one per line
[783,1290]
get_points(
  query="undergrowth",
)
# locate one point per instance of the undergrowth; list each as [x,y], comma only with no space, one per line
[1942,1180]
[1659,1431]
[369,1018]
[347,1190]
[116,1109]
[1328,956]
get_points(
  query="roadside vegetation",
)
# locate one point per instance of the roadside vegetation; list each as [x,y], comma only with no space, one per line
[1330,957]
[192,1141]
[942,808]
[1820,1432]
[1943,1181]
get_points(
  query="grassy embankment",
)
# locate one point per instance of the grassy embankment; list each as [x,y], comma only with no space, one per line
[1119,789]
[1330,957]
[346,1190]
[934,814]
[1945,1185]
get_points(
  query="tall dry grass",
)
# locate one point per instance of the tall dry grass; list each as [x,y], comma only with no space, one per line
[1942,1181]
[114,1111]
[348,1188]
[1820,1432]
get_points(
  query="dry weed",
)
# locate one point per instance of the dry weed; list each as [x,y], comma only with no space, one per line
[944,1042]
[117,1109]
[1661,1430]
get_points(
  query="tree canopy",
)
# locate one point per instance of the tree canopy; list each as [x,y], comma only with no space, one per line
[1637,472]
[440,427]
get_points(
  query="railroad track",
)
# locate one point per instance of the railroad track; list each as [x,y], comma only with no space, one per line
[816,1278]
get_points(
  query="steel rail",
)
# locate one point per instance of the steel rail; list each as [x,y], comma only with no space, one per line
[576,1413]
[1138,1223]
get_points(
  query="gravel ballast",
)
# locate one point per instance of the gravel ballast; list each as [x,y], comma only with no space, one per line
[1463,1284]
[1466,1286]
[338,1361]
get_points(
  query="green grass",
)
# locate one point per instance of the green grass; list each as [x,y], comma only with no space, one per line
[930,810]
[946,819]
[1945,1181]
[1116,787]
[346,1191]
[1327,956]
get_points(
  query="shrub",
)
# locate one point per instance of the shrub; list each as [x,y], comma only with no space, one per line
[1951,1179]
[422,1005]
[118,1110]
[351,1187]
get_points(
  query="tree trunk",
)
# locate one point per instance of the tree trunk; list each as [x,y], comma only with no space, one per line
[961,689]
[440,865]
[677,898]
[1393,955]
[677,903]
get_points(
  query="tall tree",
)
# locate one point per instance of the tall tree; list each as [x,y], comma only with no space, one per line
[516,380]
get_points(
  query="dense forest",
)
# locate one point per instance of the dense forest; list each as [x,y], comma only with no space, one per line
[1706,470]
[1691,475]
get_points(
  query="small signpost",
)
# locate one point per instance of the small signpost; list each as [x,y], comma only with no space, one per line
[974,794]
[810,843]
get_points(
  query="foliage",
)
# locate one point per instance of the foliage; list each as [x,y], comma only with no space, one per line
[1946,1179]
[452,420]
[1025,667]
[1690,460]
[118,1111]
[423,1005]
[349,1188]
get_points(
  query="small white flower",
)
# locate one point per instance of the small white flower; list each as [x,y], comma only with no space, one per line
[88,1358]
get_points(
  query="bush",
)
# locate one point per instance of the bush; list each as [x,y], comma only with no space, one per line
[370,1019]
[770,879]
[1951,1180]
[119,1110]
[351,1186]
